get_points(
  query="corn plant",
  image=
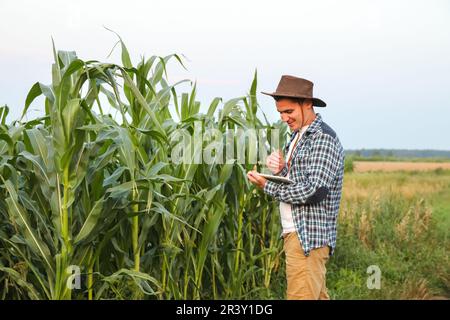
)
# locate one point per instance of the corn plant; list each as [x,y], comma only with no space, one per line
[94,186]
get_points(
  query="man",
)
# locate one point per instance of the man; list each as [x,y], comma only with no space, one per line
[309,207]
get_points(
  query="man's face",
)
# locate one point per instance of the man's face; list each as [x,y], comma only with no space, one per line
[290,113]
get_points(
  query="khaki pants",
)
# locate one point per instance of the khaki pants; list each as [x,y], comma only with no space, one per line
[305,275]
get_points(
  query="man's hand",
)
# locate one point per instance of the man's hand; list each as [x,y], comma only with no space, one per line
[256,179]
[275,162]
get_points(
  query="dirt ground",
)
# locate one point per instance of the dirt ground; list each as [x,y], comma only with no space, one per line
[366,166]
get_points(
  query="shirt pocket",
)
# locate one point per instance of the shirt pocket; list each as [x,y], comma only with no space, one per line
[301,158]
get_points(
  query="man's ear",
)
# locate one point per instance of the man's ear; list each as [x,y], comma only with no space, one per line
[307,104]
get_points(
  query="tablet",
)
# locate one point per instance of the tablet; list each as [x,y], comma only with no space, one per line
[277,179]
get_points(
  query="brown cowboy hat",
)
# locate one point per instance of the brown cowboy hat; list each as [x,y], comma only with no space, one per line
[293,87]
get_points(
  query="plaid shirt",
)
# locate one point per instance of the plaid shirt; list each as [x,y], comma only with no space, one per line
[317,168]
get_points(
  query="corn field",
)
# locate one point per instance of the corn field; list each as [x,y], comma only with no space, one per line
[91,186]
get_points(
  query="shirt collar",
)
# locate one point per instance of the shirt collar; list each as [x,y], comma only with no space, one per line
[313,126]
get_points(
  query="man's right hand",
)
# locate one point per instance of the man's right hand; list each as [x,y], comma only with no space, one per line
[275,162]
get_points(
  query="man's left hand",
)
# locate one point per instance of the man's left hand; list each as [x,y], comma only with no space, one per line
[256,179]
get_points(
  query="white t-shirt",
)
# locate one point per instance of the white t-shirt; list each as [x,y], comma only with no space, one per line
[287,222]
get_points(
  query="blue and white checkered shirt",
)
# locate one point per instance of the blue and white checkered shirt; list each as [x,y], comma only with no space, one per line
[317,168]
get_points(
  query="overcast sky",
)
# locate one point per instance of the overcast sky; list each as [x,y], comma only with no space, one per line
[383,67]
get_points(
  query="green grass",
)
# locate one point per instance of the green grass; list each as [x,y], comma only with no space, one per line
[441,206]
[413,259]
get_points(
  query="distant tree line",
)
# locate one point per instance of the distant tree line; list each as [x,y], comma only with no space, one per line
[397,153]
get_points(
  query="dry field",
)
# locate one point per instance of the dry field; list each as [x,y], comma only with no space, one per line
[401,221]
[366,166]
